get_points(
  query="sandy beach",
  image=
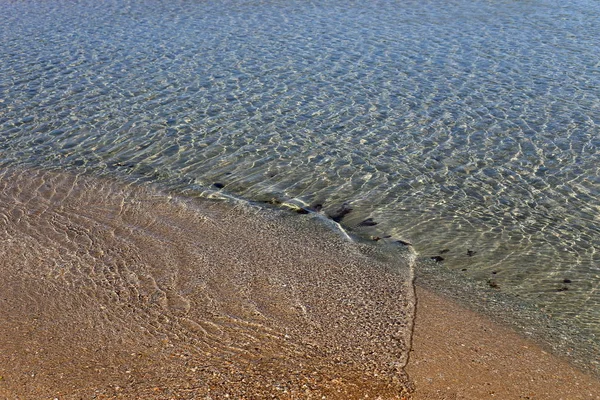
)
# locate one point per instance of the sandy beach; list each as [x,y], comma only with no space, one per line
[459,354]
[456,354]
[116,291]
[111,291]
[299,200]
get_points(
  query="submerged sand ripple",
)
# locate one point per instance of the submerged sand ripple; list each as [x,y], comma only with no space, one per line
[112,290]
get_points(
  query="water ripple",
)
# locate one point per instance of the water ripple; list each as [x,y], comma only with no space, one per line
[467,126]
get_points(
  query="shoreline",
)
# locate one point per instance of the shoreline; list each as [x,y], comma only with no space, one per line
[113,291]
[118,292]
[456,354]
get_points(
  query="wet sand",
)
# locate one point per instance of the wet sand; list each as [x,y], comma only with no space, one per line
[459,354]
[119,292]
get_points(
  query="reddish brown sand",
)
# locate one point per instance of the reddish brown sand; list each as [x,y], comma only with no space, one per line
[116,292]
[113,292]
[458,354]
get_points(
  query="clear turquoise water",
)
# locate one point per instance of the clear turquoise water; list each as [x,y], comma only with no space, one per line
[458,125]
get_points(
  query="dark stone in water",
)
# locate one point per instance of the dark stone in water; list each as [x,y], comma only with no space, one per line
[562,289]
[437,258]
[341,212]
[218,185]
[494,272]
[368,222]
[317,207]
[302,211]
[567,281]
[493,284]
[405,243]
[464,269]
[471,253]
[126,165]
[272,201]
[444,251]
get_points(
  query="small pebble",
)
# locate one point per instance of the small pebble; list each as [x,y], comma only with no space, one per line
[567,281]
[341,212]
[444,251]
[437,258]
[126,165]
[218,185]
[368,222]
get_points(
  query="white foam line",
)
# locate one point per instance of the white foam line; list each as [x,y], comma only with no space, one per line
[293,204]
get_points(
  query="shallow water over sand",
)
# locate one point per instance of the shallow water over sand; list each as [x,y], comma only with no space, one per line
[106,286]
[467,126]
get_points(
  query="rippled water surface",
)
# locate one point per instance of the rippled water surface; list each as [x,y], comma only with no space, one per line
[469,128]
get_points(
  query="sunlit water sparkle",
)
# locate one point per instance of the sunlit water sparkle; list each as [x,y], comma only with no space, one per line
[467,126]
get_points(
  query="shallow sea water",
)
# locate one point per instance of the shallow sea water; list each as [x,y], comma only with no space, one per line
[121,291]
[468,128]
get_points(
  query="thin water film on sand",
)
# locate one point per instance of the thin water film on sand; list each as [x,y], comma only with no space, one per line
[117,290]
[467,125]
